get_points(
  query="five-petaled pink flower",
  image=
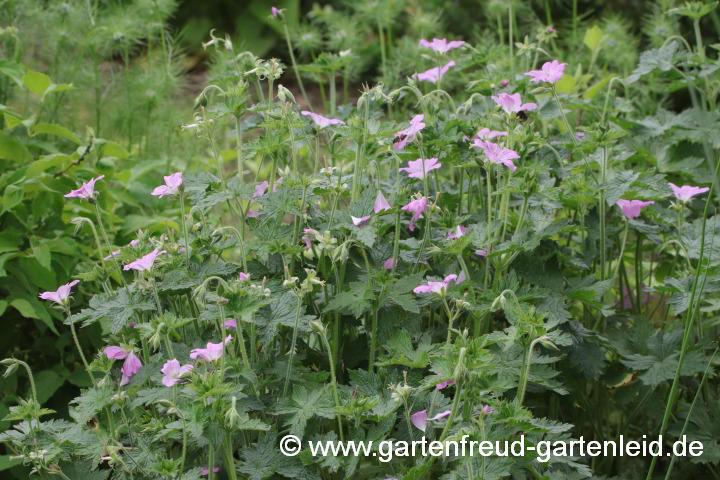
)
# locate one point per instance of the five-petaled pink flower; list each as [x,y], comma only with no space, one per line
[359,221]
[487,134]
[686,192]
[497,154]
[173,371]
[512,103]
[551,72]
[260,188]
[419,168]
[212,352]
[87,190]
[381,204]
[631,208]
[144,263]
[321,121]
[172,184]
[446,383]
[231,324]
[408,135]
[437,287]
[388,264]
[131,365]
[434,74]
[416,207]
[420,419]
[457,232]
[441,45]
[480,252]
[244,277]
[61,294]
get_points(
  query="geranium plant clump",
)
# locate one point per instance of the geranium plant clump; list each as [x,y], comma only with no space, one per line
[355,275]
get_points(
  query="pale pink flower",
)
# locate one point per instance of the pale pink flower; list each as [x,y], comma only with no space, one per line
[420,419]
[112,254]
[408,135]
[446,383]
[486,409]
[144,263]
[686,192]
[131,365]
[457,232]
[134,242]
[437,287]
[434,74]
[388,264]
[274,12]
[551,72]
[441,45]
[206,470]
[260,188]
[244,277]
[253,213]
[460,278]
[579,135]
[487,134]
[172,184]
[631,208]
[212,352]
[416,207]
[497,154]
[481,252]
[173,371]
[512,103]
[359,221]
[504,83]
[381,204]
[550,30]
[61,294]
[308,242]
[321,121]
[231,324]
[87,190]
[419,168]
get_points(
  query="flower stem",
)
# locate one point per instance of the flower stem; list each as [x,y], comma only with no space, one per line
[182,219]
[292,347]
[77,345]
[333,379]
[107,244]
[295,69]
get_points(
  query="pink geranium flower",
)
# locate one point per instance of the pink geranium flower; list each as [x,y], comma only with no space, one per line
[512,103]
[504,83]
[173,371]
[551,72]
[497,154]
[408,135]
[434,74]
[487,134]
[437,287]
[87,190]
[631,208]
[61,294]
[253,214]
[274,12]
[416,207]
[244,277]
[481,252]
[388,264]
[321,121]
[206,470]
[420,419]
[446,383]
[686,192]
[172,184]
[212,352]
[260,188]
[419,168]
[381,204]
[360,221]
[144,263]
[131,365]
[441,45]
[231,324]
[457,232]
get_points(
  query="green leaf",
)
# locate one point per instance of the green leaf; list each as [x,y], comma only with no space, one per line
[662,59]
[47,382]
[401,352]
[27,310]
[302,405]
[11,149]
[355,301]
[13,196]
[593,38]
[57,130]
[41,252]
[117,307]
[36,82]
[89,403]
[6,462]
